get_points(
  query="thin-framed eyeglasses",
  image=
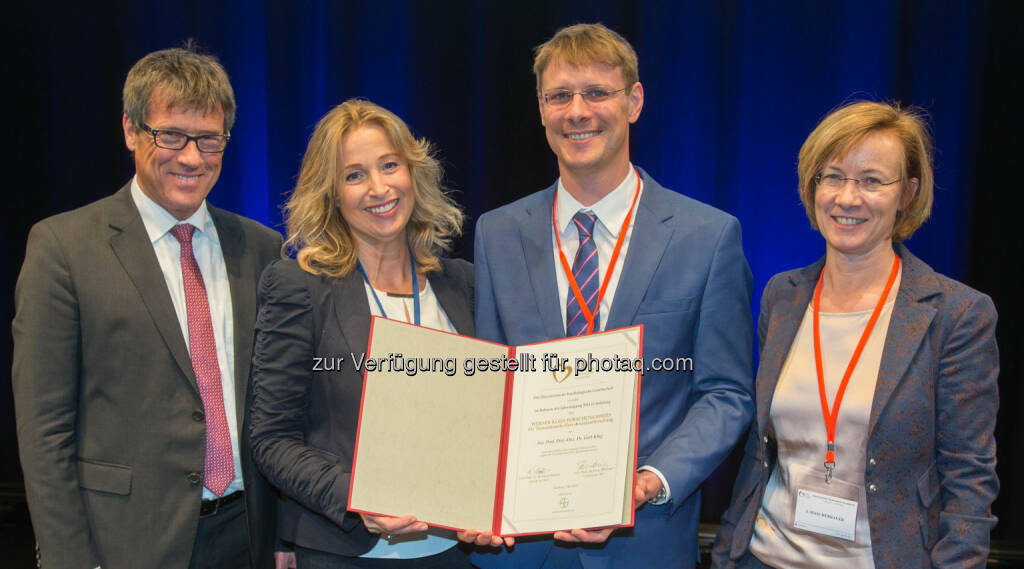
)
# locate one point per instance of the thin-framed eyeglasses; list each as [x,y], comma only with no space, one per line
[175,140]
[562,97]
[867,183]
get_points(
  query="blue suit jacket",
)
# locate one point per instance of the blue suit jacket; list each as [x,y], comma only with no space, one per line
[686,280]
[931,453]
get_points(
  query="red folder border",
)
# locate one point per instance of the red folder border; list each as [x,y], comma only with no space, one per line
[499,493]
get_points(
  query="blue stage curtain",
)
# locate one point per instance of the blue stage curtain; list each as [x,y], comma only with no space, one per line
[732,89]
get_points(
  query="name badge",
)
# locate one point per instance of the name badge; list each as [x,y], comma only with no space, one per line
[824,514]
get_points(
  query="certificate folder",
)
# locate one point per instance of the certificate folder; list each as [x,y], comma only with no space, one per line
[468,434]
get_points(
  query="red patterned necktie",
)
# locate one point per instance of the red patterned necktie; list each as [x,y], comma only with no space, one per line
[220,465]
[585,269]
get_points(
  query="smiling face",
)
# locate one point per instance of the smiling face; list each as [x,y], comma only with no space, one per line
[855,222]
[375,189]
[177,180]
[589,139]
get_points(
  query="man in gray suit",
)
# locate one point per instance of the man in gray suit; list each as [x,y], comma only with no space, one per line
[132,344]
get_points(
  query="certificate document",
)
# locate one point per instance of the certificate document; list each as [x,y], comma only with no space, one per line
[515,440]
[571,436]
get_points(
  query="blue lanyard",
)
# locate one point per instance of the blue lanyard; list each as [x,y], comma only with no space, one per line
[415,290]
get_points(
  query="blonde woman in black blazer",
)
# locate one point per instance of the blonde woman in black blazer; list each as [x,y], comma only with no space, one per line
[368,221]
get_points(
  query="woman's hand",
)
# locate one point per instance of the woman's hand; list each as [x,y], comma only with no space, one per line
[484,538]
[388,525]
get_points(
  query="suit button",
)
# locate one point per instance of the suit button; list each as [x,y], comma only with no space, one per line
[765,439]
[194,478]
[872,462]
[872,488]
[198,416]
[765,464]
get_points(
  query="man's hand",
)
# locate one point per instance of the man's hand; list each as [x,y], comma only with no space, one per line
[647,486]
[484,538]
[388,525]
[584,536]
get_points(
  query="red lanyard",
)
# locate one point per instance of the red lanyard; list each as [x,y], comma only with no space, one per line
[830,418]
[611,265]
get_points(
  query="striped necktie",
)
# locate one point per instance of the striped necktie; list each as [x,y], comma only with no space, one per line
[586,269]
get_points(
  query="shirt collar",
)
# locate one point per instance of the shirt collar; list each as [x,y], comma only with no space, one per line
[158,222]
[610,210]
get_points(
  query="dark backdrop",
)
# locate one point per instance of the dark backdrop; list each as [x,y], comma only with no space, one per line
[732,88]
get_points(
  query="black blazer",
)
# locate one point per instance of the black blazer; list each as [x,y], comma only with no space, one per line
[304,421]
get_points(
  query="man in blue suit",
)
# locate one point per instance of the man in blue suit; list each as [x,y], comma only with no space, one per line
[627,251]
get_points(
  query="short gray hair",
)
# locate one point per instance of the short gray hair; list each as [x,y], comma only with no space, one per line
[185,78]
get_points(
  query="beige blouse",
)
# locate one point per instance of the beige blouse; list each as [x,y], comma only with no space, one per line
[797,424]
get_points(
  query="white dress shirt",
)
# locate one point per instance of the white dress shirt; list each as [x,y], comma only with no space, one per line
[611,211]
[206,248]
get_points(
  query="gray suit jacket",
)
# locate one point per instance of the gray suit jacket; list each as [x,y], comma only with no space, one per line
[110,426]
[931,453]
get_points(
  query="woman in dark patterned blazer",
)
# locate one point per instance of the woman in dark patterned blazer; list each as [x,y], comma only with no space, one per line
[877,388]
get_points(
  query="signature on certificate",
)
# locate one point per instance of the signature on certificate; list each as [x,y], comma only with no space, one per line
[592,467]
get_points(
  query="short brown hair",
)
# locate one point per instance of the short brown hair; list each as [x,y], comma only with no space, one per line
[185,78]
[846,127]
[583,44]
[316,229]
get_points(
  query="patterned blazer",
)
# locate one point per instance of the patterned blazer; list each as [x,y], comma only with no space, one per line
[930,472]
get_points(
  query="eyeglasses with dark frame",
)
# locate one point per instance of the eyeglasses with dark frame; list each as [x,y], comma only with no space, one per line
[176,140]
[835,181]
[562,97]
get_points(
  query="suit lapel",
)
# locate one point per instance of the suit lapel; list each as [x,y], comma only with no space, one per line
[787,314]
[352,310]
[131,245]
[538,247]
[908,325]
[452,301]
[647,244]
[354,314]
[243,301]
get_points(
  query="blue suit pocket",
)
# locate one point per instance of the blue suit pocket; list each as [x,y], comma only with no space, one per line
[928,491]
[664,305]
[104,477]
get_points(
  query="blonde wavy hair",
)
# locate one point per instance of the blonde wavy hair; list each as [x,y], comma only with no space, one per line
[317,232]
